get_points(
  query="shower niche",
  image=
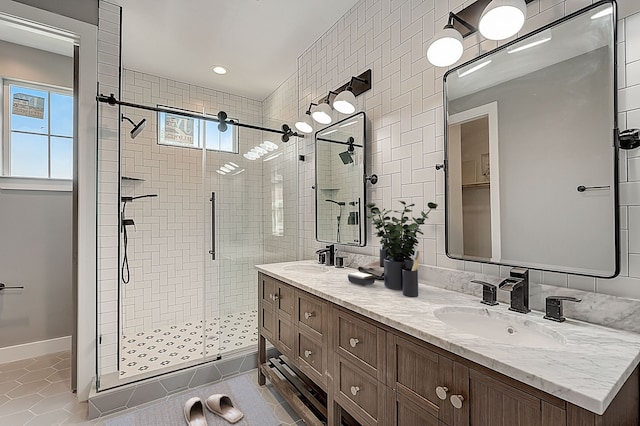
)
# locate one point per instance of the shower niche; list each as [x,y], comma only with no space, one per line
[340,182]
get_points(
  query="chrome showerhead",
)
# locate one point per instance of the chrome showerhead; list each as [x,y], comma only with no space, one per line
[137,128]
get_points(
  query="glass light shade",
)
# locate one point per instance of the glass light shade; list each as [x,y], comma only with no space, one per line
[304,124]
[446,48]
[345,102]
[322,113]
[502,19]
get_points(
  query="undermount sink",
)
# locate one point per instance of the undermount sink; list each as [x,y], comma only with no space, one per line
[500,327]
[306,268]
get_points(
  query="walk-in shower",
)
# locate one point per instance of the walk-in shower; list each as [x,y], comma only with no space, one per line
[176,305]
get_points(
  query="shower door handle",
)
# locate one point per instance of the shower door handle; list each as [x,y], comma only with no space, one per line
[212,252]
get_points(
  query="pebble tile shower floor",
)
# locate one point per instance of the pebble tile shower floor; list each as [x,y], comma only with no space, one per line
[176,344]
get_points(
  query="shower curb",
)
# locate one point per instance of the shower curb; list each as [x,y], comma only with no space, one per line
[159,387]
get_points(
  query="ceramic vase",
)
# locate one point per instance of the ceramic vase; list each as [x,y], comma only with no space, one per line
[393,274]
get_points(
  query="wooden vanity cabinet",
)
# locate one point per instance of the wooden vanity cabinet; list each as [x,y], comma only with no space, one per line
[381,376]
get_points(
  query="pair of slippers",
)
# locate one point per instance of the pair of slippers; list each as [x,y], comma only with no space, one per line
[218,404]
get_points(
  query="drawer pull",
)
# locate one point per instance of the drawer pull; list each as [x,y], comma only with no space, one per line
[354,390]
[456,401]
[307,354]
[441,391]
[308,315]
[275,297]
[353,342]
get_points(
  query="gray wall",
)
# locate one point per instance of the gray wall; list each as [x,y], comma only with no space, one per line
[35,229]
[82,10]
[35,251]
[28,64]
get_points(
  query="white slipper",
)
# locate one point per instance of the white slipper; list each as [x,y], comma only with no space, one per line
[221,405]
[194,412]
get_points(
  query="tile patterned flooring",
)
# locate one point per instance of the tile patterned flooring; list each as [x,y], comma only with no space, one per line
[176,344]
[35,392]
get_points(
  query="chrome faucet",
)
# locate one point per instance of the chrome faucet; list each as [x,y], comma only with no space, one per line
[518,284]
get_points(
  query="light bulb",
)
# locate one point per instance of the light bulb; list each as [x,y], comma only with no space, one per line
[446,48]
[345,102]
[322,113]
[304,124]
[502,19]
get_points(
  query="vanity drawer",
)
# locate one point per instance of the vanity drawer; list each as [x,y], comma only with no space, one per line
[359,393]
[312,314]
[361,343]
[312,358]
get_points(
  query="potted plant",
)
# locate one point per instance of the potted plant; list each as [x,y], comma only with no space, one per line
[398,238]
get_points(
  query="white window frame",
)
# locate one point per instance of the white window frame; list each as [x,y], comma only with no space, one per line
[5,152]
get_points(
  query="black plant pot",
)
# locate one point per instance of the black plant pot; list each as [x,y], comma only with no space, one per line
[383,256]
[393,274]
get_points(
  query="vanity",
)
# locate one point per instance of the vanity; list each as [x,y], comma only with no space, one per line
[378,358]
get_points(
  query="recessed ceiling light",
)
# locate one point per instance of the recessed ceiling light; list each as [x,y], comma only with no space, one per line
[219,70]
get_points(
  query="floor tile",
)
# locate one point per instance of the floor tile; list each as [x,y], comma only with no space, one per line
[55,404]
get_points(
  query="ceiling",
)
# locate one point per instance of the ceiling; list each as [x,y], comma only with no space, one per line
[258,41]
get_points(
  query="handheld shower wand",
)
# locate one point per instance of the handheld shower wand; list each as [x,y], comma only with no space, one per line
[340,205]
[124,223]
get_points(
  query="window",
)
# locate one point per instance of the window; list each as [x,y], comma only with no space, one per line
[39,135]
[178,130]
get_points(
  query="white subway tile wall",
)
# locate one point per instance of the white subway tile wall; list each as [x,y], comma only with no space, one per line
[168,248]
[405,109]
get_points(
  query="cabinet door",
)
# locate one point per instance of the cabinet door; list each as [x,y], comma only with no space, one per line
[416,373]
[493,403]
[266,319]
[406,412]
[285,300]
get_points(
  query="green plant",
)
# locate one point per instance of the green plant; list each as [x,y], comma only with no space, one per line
[398,235]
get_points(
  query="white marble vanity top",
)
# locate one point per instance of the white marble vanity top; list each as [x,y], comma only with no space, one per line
[587,369]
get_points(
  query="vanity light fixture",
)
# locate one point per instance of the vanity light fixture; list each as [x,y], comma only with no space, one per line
[495,19]
[502,19]
[344,101]
[304,123]
[446,48]
[322,113]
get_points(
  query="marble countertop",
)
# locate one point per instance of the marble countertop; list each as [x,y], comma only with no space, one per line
[587,368]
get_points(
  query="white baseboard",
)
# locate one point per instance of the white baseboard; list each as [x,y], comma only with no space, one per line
[30,350]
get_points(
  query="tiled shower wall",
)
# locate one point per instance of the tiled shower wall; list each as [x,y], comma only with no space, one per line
[405,109]
[167,249]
